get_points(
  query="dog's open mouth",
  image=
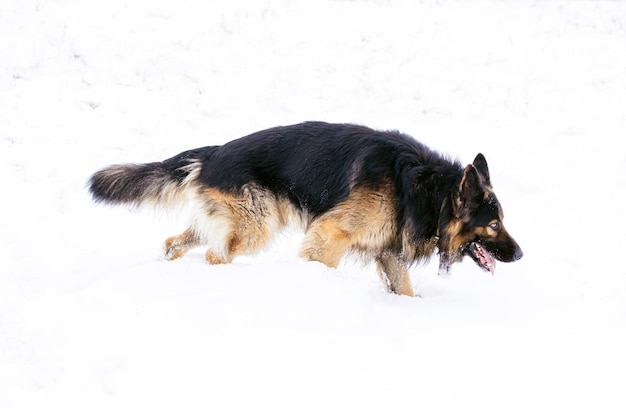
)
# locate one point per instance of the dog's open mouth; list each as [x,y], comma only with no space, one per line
[482,258]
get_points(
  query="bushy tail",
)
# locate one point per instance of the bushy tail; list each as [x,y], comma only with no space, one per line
[135,184]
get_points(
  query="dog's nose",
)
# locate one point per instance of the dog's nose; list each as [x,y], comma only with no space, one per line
[518,254]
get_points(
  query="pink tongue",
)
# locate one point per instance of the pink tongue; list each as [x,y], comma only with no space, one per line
[485,259]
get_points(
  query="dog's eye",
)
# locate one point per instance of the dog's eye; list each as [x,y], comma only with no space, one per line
[495,226]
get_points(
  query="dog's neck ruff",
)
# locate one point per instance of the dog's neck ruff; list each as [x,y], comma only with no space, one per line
[435,238]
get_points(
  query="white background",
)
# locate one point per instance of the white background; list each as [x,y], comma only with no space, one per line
[92,316]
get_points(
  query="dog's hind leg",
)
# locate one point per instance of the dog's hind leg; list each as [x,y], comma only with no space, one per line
[239,224]
[394,273]
[245,238]
[178,245]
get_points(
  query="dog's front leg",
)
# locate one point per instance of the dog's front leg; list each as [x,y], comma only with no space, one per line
[394,274]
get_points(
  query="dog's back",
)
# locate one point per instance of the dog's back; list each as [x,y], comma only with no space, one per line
[314,164]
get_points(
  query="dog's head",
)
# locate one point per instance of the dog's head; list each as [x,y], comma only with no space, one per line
[475,225]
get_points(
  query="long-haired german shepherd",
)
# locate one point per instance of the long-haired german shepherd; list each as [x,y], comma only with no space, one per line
[353,189]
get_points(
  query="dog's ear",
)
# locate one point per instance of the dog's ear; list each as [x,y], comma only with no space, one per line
[470,192]
[483,170]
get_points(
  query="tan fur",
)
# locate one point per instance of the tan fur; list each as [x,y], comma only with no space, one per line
[214,259]
[395,274]
[327,240]
[232,224]
[364,221]
[451,240]
[178,245]
[239,224]
[419,250]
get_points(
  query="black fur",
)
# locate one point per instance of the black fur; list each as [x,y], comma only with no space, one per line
[317,165]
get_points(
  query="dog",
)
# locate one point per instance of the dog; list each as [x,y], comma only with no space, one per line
[382,194]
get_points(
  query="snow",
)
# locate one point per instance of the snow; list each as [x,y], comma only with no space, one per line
[92,315]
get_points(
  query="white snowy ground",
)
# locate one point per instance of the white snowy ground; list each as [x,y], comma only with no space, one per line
[92,316]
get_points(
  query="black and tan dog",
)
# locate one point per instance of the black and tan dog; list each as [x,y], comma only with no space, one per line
[353,189]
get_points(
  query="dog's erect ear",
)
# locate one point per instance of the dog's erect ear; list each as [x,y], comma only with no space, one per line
[470,193]
[481,166]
